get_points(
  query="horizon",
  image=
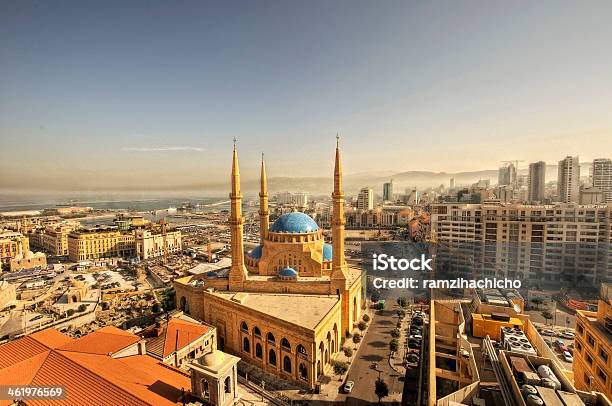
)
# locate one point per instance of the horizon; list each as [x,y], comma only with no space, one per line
[145,96]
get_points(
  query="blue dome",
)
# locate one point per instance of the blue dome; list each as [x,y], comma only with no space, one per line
[256,252]
[295,222]
[327,252]
[288,272]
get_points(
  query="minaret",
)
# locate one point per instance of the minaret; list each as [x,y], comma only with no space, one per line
[264,213]
[238,271]
[338,220]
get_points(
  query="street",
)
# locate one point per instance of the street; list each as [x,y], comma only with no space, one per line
[374,349]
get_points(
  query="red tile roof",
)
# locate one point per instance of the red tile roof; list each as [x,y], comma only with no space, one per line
[176,335]
[89,375]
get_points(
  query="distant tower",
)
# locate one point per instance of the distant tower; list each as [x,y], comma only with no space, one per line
[264,213]
[602,177]
[388,191]
[536,181]
[452,183]
[238,271]
[568,181]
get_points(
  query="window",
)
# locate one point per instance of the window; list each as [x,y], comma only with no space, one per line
[303,372]
[590,340]
[246,347]
[256,331]
[580,328]
[228,385]
[301,350]
[603,355]
[578,346]
[287,364]
[601,374]
[258,351]
[285,344]
[272,357]
[589,359]
[271,338]
[244,327]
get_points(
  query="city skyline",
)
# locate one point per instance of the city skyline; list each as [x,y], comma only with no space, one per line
[132,96]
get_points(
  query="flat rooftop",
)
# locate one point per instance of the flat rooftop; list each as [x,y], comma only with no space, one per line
[302,310]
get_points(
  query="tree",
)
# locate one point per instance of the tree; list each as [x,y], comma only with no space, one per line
[381,389]
[402,301]
[547,315]
[394,345]
[348,352]
[362,325]
[356,338]
[82,308]
[366,318]
[395,333]
[380,306]
[375,296]
[537,301]
[340,367]
[69,312]
[401,314]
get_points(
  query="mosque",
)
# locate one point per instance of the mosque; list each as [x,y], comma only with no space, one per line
[284,306]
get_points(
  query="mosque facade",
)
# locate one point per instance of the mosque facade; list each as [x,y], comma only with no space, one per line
[285,305]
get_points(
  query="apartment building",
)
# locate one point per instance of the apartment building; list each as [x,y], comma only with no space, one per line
[365,199]
[568,180]
[100,242]
[12,244]
[602,178]
[536,182]
[53,238]
[593,346]
[150,244]
[539,243]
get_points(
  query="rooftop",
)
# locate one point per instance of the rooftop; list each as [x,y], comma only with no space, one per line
[177,334]
[295,222]
[286,307]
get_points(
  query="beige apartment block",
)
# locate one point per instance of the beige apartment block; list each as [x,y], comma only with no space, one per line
[150,245]
[87,244]
[12,244]
[53,238]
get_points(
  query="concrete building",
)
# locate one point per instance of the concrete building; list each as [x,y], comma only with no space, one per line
[100,242]
[257,304]
[536,182]
[591,195]
[538,244]
[150,244]
[593,346]
[53,238]
[568,180]
[293,199]
[12,244]
[388,191]
[8,294]
[507,175]
[602,177]
[365,199]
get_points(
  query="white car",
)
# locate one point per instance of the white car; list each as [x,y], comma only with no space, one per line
[567,334]
[548,332]
[568,357]
[348,387]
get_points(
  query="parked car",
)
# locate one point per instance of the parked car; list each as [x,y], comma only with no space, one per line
[348,387]
[568,357]
[548,332]
[414,345]
[412,360]
[567,334]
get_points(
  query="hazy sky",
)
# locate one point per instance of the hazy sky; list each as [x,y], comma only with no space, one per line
[103,94]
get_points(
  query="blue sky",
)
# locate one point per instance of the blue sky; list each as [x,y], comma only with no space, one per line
[130,93]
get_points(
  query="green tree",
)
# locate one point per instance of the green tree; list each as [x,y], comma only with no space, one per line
[348,352]
[366,318]
[547,315]
[356,338]
[395,333]
[537,301]
[375,296]
[381,389]
[402,301]
[340,367]
[394,345]
[362,325]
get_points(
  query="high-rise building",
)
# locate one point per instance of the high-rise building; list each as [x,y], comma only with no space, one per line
[365,199]
[388,191]
[602,177]
[452,183]
[568,180]
[559,243]
[297,199]
[507,174]
[536,181]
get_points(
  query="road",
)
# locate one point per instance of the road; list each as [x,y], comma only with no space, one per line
[374,348]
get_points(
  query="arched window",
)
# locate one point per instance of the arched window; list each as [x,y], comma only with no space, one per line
[272,357]
[271,338]
[285,344]
[228,385]
[204,385]
[256,331]
[244,327]
[258,351]
[303,372]
[246,347]
[287,364]
[301,349]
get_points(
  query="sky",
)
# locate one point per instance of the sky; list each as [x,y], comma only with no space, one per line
[147,94]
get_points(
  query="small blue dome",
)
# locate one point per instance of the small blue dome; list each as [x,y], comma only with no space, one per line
[212,274]
[256,252]
[288,272]
[295,222]
[327,252]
